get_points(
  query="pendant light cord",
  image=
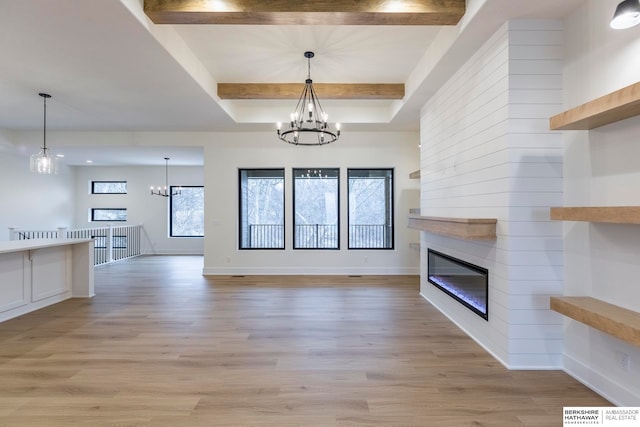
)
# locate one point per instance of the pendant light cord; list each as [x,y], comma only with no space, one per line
[166,173]
[44,133]
[44,137]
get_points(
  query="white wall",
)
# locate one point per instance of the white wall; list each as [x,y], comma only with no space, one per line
[31,201]
[228,152]
[534,243]
[601,169]
[224,154]
[487,152]
[142,208]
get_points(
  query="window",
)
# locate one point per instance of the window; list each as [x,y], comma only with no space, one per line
[370,208]
[187,212]
[108,214]
[108,187]
[261,209]
[315,209]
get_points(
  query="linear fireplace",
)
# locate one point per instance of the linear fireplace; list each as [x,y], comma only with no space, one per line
[465,282]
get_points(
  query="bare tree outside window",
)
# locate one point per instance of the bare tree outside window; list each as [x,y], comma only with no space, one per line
[370,208]
[108,214]
[316,208]
[261,208]
[108,187]
[187,212]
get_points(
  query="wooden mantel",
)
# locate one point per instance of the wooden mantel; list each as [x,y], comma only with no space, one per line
[610,108]
[612,319]
[461,228]
[610,214]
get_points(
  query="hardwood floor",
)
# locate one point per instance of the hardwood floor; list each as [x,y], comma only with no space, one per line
[161,345]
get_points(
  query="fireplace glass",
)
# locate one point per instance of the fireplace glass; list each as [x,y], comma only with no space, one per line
[465,282]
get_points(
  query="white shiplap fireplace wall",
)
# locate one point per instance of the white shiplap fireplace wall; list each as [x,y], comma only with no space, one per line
[487,153]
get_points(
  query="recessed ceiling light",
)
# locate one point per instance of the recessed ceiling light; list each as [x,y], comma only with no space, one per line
[221,6]
[88,161]
[394,6]
[60,155]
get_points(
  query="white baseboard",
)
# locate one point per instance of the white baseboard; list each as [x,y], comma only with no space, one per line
[487,349]
[605,387]
[315,271]
[33,306]
[511,367]
[172,252]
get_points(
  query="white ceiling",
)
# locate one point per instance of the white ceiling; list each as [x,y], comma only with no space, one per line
[108,68]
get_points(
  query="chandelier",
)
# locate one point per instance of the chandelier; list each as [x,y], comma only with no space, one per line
[42,162]
[166,191]
[308,123]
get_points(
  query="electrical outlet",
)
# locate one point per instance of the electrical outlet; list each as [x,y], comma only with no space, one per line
[624,361]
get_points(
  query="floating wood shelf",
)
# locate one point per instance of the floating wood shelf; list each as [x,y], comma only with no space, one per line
[462,228]
[609,318]
[616,106]
[414,175]
[612,214]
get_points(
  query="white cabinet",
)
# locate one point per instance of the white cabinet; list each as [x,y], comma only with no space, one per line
[38,273]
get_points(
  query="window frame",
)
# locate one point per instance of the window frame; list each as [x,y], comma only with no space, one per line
[284,228]
[293,207]
[93,188]
[182,187]
[391,207]
[93,215]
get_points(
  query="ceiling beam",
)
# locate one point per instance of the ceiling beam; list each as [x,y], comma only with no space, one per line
[323,90]
[296,12]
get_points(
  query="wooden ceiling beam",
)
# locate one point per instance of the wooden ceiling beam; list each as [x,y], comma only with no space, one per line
[323,90]
[296,12]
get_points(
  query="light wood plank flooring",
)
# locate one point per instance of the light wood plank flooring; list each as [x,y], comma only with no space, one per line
[161,345]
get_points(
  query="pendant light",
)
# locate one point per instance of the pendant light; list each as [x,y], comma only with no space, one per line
[627,15]
[43,162]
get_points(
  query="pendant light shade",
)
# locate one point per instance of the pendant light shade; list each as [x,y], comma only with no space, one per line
[627,15]
[43,162]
